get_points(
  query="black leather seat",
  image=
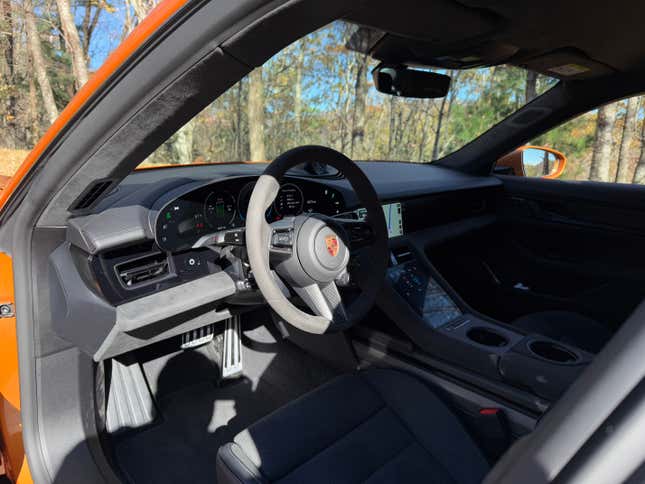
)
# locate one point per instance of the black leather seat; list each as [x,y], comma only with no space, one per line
[568,327]
[374,426]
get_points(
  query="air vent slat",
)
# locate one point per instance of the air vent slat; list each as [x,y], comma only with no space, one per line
[144,270]
[90,195]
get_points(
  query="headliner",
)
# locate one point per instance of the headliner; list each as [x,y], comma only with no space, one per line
[604,37]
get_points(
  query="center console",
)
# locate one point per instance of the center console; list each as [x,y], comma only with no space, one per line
[433,316]
[424,295]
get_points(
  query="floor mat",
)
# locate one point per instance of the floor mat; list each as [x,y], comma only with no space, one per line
[199,414]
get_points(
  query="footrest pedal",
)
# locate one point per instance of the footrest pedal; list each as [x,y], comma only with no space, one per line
[232,351]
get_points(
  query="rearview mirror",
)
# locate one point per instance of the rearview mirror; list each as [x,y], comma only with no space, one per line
[532,161]
[405,82]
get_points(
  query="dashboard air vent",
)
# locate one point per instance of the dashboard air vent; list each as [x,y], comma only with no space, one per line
[144,270]
[91,194]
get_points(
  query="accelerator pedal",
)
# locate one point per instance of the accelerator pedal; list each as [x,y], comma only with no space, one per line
[232,349]
[197,337]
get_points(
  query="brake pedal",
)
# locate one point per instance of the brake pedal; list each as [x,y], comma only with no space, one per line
[197,337]
[232,349]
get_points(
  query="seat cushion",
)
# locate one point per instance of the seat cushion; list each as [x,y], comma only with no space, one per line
[374,426]
[568,327]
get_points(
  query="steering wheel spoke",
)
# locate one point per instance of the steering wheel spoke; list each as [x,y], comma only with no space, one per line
[324,300]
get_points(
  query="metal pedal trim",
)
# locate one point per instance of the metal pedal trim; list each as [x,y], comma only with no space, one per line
[197,337]
[232,365]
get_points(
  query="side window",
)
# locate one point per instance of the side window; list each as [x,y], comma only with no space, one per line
[604,145]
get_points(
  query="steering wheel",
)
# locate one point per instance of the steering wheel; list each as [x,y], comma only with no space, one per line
[310,252]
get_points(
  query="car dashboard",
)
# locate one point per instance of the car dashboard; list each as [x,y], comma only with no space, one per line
[143,265]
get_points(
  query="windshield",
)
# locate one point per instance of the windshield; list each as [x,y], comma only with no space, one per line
[316,91]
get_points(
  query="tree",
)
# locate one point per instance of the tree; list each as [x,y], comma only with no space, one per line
[444,113]
[358,110]
[181,144]
[256,116]
[142,8]
[624,172]
[603,143]
[391,127]
[530,90]
[238,122]
[297,108]
[40,69]
[7,73]
[73,42]
[88,25]
[639,172]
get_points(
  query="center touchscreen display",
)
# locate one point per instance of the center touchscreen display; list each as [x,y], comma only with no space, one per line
[393,218]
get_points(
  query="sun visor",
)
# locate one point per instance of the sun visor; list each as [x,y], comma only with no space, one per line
[567,64]
[395,49]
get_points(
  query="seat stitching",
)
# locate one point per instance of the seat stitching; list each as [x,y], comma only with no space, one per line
[408,429]
[331,444]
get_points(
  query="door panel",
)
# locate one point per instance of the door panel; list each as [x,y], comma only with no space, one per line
[558,245]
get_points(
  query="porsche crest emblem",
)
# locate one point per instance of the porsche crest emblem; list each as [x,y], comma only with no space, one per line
[332,245]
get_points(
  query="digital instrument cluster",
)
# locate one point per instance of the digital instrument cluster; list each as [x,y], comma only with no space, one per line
[223,205]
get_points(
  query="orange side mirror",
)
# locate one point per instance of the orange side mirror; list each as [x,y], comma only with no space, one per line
[534,161]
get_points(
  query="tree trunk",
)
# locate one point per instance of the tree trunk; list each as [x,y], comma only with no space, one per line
[256,116]
[6,37]
[437,131]
[73,42]
[33,132]
[7,74]
[390,133]
[238,122]
[345,119]
[360,104]
[127,21]
[603,143]
[142,8]
[182,144]
[444,113]
[639,173]
[40,70]
[546,168]
[530,90]
[88,25]
[624,172]
[297,102]
[424,130]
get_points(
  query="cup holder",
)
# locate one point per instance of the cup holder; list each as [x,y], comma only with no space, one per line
[486,337]
[552,351]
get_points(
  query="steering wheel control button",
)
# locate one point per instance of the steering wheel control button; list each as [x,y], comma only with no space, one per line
[282,238]
[234,237]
